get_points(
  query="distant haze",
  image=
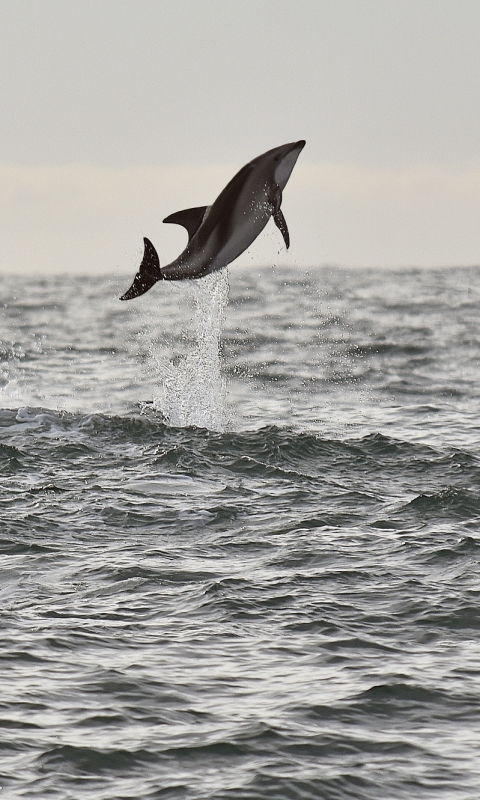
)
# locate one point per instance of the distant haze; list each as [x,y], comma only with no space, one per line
[116,113]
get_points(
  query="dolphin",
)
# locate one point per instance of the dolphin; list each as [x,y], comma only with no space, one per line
[219,233]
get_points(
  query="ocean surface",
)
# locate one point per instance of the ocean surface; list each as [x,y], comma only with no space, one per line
[240,537]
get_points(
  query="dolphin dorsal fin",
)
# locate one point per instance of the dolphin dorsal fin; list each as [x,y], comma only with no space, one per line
[190,218]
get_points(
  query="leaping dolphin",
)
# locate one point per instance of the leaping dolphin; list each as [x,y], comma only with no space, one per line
[219,233]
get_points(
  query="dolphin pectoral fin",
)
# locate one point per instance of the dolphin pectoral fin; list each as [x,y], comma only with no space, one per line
[148,273]
[281,224]
[190,218]
[278,217]
[276,200]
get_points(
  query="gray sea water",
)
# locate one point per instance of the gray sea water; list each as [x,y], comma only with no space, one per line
[240,537]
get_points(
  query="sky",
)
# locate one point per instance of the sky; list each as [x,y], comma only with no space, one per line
[116,113]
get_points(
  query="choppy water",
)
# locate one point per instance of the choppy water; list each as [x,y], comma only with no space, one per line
[242,566]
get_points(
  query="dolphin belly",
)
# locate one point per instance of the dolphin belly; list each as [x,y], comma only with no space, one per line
[246,226]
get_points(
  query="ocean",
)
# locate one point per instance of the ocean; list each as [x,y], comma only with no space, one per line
[240,536]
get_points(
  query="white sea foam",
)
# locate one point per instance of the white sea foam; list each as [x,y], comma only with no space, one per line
[194,389]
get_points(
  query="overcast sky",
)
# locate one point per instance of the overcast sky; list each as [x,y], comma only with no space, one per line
[116,113]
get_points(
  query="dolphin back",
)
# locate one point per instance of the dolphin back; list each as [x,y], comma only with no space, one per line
[148,272]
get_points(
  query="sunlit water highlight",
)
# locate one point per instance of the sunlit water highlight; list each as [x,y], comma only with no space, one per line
[279,600]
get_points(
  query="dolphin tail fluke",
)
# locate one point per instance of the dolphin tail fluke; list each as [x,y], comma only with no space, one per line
[148,273]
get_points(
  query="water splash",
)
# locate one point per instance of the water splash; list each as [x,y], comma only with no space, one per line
[194,390]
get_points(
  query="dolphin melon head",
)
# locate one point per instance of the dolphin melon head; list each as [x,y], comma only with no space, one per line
[286,160]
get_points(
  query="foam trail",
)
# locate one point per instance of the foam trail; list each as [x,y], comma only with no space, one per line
[194,390]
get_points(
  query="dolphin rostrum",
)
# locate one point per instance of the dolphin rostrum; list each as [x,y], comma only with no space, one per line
[219,233]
